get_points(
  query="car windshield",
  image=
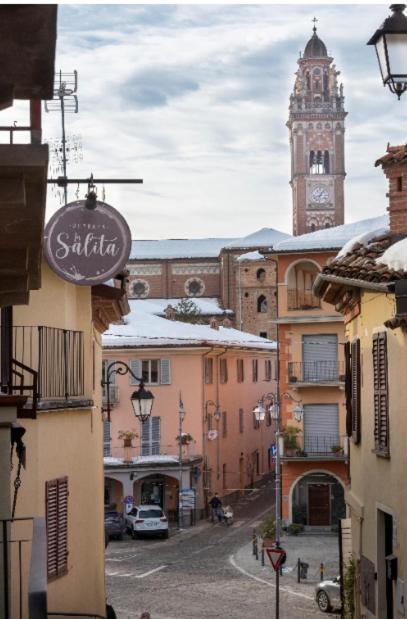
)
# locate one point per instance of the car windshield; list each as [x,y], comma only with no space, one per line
[133,512]
[150,513]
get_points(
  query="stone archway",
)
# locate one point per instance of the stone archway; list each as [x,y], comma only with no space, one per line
[160,489]
[317,499]
[113,494]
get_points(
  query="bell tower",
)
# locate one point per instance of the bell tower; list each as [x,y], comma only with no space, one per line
[317,125]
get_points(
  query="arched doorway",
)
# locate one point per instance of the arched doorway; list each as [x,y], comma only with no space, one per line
[318,500]
[158,489]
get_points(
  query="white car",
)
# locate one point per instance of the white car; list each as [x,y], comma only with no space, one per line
[147,520]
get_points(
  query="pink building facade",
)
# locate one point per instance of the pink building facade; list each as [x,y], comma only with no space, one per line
[219,374]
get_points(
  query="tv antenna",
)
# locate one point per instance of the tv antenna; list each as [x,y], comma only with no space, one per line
[64,101]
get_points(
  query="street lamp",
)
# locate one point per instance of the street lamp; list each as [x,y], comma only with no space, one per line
[141,400]
[274,410]
[390,41]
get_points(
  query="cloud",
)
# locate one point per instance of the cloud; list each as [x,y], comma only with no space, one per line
[156,87]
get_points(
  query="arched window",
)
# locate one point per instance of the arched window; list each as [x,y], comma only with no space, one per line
[262,304]
[261,275]
[312,227]
[319,162]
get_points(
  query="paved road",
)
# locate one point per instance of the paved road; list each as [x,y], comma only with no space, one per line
[193,575]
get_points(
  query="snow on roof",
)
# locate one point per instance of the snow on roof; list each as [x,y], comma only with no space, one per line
[265,237]
[361,239]
[332,238]
[395,257]
[167,249]
[142,459]
[207,305]
[251,255]
[143,328]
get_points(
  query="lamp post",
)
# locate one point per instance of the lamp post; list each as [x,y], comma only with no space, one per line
[260,414]
[181,417]
[141,400]
[217,415]
[390,41]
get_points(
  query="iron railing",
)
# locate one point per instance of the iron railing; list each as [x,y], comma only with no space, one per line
[113,393]
[303,445]
[302,300]
[316,371]
[47,363]
[154,449]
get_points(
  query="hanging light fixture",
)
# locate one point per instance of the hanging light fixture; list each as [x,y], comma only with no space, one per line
[390,41]
[259,412]
[298,413]
[142,403]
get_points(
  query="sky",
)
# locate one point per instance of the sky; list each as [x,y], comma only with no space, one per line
[193,99]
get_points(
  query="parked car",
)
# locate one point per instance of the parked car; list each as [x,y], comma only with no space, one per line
[114,525]
[147,520]
[328,595]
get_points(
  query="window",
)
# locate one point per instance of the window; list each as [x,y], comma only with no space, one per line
[223,371]
[240,370]
[380,391]
[208,370]
[319,162]
[263,334]
[267,369]
[224,424]
[262,304]
[152,371]
[151,436]
[255,369]
[354,392]
[56,510]
[261,275]
[241,420]
[399,183]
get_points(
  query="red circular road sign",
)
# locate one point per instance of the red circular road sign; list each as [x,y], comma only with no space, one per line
[87,247]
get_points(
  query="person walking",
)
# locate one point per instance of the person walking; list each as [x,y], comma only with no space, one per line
[216,507]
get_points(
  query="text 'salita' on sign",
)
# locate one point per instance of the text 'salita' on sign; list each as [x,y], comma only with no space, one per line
[87,247]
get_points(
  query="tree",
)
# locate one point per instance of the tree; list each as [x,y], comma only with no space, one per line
[187,311]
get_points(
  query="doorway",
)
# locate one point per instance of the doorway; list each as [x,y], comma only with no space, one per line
[152,492]
[319,505]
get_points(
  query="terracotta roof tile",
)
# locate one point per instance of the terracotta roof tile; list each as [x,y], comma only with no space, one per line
[394,154]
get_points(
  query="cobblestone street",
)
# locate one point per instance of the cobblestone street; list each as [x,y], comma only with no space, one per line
[205,571]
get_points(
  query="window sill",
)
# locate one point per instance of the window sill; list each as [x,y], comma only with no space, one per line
[382,453]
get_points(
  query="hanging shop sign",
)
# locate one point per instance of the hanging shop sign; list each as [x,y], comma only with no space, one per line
[87,246]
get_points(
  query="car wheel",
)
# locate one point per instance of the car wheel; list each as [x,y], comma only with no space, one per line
[165,534]
[323,602]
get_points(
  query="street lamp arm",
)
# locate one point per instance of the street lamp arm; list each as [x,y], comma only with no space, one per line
[120,367]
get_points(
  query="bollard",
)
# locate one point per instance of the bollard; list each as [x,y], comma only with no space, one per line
[256,548]
[254,541]
[304,569]
[262,555]
[321,572]
[298,570]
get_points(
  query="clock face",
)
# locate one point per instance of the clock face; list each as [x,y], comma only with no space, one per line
[319,194]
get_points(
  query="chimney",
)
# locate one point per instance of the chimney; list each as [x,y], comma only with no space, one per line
[394,165]
[227,323]
[169,312]
[213,323]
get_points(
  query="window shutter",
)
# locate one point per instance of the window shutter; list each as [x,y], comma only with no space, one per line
[155,435]
[355,393]
[107,438]
[135,366]
[348,389]
[223,371]
[208,370]
[224,424]
[381,421]
[165,372]
[56,508]
[146,437]
[241,420]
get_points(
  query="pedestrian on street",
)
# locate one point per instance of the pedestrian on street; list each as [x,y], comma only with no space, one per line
[216,506]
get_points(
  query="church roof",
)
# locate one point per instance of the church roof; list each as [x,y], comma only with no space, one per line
[315,48]
[330,239]
[265,237]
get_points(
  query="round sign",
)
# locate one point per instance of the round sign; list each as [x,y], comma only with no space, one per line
[128,500]
[87,247]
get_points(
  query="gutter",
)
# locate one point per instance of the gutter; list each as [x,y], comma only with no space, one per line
[320,284]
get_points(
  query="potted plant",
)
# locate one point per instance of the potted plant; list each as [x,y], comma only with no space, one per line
[127,436]
[337,450]
[290,440]
[295,528]
[267,530]
[186,438]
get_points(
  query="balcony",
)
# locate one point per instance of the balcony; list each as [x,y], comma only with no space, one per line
[302,300]
[316,373]
[315,447]
[113,395]
[47,365]
[151,454]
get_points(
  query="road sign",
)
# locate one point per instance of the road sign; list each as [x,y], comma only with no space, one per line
[277,556]
[128,500]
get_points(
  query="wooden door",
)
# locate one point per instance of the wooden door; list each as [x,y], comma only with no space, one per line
[319,509]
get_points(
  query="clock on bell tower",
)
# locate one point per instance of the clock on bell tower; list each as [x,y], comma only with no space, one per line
[317,126]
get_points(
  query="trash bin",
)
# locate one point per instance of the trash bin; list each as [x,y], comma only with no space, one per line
[303,569]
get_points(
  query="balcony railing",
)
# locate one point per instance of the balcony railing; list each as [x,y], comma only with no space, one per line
[113,395]
[47,364]
[302,300]
[127,454]
[316,446]
[317,372]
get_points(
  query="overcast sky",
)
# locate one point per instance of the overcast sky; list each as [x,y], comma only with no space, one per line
[194,100]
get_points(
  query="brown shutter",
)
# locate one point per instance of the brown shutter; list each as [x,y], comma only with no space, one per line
[57,526]
[355,396]
[380,385]
[348,390]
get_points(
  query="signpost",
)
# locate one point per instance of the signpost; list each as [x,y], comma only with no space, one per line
[87,246]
